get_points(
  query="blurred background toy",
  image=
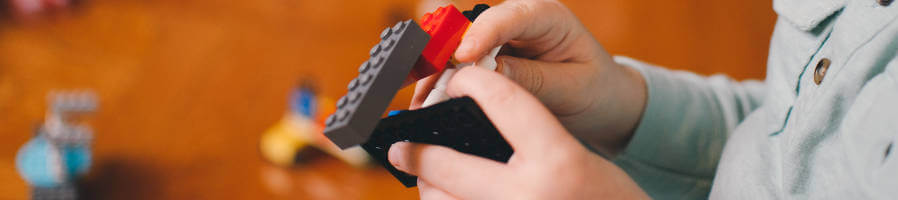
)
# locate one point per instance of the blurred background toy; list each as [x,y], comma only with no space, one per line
[299,137]
[59,153]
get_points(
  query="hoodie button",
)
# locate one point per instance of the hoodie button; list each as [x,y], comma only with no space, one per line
[820,70]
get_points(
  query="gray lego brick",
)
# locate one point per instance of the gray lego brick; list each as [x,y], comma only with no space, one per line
[66,105]
[73,101]
[369,94]
[62,192]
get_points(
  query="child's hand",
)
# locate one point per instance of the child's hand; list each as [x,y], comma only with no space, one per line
[554,57]
[548,163]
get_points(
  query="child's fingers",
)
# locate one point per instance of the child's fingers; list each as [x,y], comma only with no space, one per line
[422,89]
[448,169]
[511,20]
[430,192]
[521,119]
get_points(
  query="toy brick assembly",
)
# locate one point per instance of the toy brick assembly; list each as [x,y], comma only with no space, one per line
[409,50]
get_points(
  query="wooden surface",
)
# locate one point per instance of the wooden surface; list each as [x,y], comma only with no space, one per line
[187,87]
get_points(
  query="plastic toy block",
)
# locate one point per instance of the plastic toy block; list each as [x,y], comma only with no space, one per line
[446,25]
[59,153]
[457,123]
[65,106]
[474,13]
[63,192]
[379,79]
[394,112]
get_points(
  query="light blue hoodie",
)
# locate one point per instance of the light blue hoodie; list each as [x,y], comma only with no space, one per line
[823,125]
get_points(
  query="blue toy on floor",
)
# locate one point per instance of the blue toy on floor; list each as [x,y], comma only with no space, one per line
[59,153]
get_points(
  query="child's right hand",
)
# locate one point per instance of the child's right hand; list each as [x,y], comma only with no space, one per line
[552,55]
[548,163]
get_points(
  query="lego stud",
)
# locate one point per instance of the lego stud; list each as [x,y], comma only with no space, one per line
[353,97]
[338,116]
[364,78]
[330,120]
[386,33]
[364,67]
[427,17]
[388,44]
[439,11]
[343,115]
[373,62]
[400,26]
[375,50]
[353,84]
[341,103]
[376,61]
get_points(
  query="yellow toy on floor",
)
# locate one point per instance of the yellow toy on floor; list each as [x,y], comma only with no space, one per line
[301,130]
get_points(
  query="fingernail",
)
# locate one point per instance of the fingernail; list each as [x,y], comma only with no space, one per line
[395,154]
[465,46]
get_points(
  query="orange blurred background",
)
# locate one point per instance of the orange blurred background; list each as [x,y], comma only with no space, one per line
[187,87]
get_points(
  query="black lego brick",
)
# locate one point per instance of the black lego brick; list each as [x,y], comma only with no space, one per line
[379,79]
[474,13]
[457,123]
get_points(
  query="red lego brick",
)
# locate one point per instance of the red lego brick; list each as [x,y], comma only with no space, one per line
[446,26]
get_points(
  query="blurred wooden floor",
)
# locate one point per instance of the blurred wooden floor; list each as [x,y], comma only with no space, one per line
[187,86]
